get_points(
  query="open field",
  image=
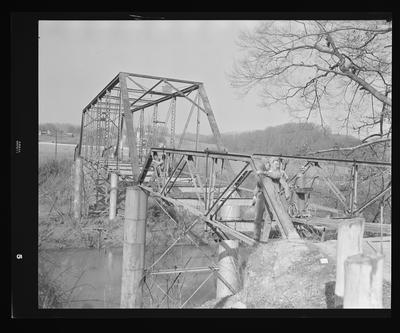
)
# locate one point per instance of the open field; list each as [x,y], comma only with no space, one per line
[60,138]
[47,151]
[66,149]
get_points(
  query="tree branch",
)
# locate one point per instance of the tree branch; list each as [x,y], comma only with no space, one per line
[350,148]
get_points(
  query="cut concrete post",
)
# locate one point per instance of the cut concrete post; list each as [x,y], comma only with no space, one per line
[113,195]
[133,247]
[78,188]
[349,242]
[228,268]
[363,281]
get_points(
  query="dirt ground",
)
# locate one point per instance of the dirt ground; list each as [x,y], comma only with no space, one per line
[290,274]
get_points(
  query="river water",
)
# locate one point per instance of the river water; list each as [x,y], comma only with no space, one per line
[92,277]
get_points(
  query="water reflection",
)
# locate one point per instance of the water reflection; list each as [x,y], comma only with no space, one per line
[92,277]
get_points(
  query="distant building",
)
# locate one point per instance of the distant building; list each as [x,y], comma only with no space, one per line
[69,134]
[44,132]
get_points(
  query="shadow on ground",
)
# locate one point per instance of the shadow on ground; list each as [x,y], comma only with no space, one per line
[332,301]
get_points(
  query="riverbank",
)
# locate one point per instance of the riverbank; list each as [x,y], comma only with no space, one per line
[298,274]
[279,274]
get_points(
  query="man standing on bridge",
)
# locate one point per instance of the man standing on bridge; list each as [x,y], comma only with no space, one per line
[273,168]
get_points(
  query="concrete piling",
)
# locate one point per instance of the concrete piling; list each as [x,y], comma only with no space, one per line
[363,281]
[228,268]
[133,247]
[77,207]
[230,213]
[113,195]
[349,242]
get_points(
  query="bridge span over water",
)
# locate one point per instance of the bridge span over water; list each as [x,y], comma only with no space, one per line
[129,137]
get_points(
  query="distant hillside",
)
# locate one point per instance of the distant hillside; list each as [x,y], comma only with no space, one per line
[286,139]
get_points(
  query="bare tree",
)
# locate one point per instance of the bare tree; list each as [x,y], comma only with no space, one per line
[321,68]
[331,71]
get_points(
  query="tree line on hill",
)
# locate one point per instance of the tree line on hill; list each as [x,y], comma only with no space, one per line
[286,139]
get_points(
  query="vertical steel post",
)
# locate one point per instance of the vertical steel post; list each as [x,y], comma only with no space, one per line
[91,136]
[141,136]
[212,182]
[119,129]
[205,186]
[381,226]
[81,134]
[355,187]
[173,120]
[155,126]
[352,190]
[186,126]
[129,126]
[197,127]
[122,139]
[211,118]
[215,129]
[133,247]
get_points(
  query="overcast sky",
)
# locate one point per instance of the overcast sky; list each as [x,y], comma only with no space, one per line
[78,58]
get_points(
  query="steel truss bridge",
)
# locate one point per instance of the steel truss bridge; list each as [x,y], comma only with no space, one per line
[205,193]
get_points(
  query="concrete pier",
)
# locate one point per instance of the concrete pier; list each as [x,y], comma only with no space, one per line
[228,268]
[78,173]
[363,281]
[113,195]
[349,242]
[133,247]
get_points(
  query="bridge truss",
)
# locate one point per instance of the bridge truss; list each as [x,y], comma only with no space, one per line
[206,195]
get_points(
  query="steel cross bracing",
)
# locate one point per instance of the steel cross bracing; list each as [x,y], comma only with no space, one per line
[129,93]
[187,187]
[204,190]
[135,112]
[122,129]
